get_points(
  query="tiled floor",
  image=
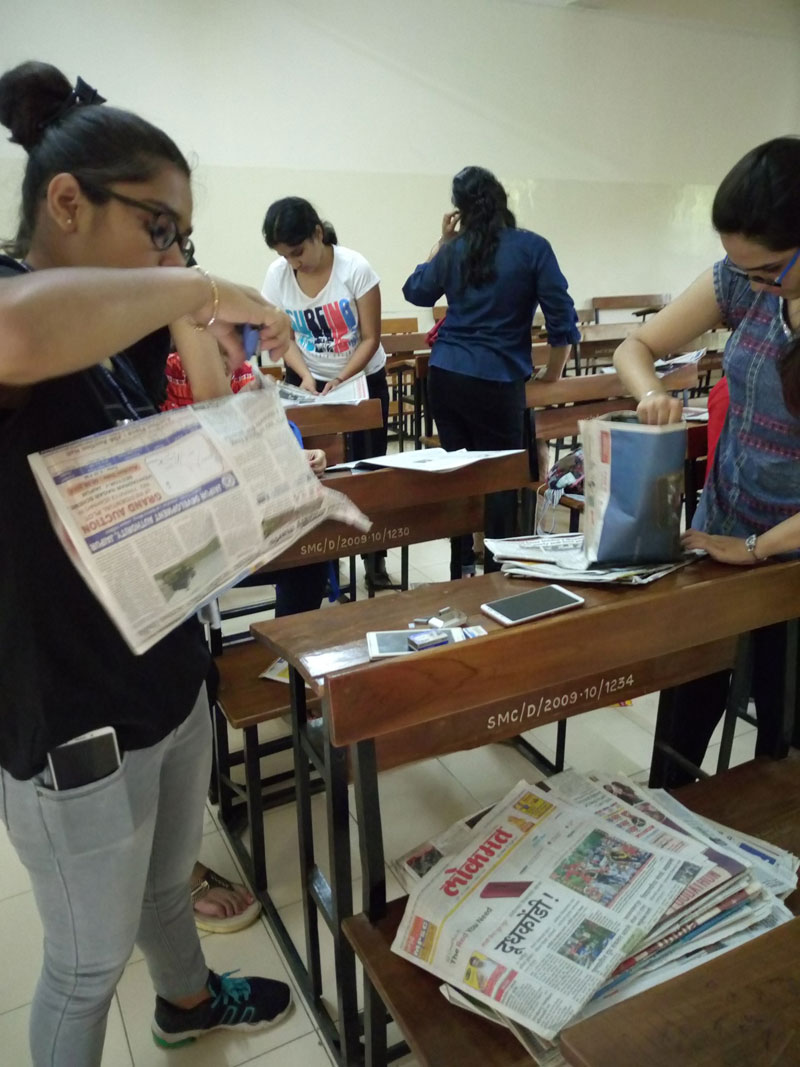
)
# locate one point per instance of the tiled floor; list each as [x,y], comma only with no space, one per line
[416,801]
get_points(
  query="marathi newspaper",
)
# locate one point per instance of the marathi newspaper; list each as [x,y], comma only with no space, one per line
[534,914]
[489,913]
[163,514]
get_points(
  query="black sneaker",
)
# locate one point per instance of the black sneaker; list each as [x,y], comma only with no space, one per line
[236,1004]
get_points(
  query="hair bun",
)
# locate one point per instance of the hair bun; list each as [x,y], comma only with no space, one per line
[31,95]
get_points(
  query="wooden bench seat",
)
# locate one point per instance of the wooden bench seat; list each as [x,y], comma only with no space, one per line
[761,798]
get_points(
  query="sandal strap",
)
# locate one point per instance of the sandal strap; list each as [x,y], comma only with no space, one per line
[212,880]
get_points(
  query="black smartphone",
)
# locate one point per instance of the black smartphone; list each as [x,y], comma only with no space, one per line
[84,759]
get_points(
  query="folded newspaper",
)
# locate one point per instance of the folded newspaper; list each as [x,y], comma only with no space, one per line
[562,557]
[162,515]
[576,893]
[353,391]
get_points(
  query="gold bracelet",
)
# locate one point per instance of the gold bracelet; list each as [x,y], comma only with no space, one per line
[215,304]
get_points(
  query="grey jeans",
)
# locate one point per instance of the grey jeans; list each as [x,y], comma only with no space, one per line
[110,865]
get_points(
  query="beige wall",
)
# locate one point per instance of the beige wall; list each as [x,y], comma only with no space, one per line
[610,131]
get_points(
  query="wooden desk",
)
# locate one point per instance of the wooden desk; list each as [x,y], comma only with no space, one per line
[407,507]
[325,425]
[631,641]
[315,420]
[707,1017]
[741,1008]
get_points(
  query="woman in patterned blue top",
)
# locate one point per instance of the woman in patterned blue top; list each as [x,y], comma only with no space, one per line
[750,509]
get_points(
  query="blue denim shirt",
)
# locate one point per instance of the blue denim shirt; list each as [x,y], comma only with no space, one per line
[487,331]
[755,481]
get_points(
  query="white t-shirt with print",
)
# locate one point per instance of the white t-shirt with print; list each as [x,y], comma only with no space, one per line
[326,325]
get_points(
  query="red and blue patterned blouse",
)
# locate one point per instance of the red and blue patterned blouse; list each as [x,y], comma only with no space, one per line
[755,480]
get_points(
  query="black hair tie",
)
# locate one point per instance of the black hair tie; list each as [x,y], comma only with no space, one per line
[82,95]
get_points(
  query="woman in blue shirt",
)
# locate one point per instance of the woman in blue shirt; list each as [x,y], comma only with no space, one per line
[494,275]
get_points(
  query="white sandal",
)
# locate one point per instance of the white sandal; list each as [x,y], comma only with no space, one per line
[221,924]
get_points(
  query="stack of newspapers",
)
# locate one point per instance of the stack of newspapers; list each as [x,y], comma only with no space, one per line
[573,894]
[563,557]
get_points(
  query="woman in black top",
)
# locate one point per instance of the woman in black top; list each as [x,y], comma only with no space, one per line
[85,317]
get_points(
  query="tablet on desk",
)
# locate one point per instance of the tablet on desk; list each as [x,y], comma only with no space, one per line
[382,643]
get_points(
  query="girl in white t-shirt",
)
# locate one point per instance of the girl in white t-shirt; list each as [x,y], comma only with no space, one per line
[332,295]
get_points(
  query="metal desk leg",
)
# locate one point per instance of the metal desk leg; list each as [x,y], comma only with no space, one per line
[738,696]
[255,809]
[373,887]
[336,901]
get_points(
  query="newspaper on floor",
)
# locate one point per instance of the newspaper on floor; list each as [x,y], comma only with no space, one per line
[163,514]
[561,557]
[353,391]
[534,914]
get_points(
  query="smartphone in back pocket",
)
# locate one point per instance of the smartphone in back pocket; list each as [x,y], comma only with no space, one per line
[84,759]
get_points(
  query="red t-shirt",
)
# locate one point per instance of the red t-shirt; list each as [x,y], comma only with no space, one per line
[718,401]
[179,392]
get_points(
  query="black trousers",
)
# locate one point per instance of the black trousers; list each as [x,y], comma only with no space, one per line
[699,705]
[477,413]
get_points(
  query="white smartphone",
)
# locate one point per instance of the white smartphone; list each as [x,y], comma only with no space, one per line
[84,759]
[381,643]
[523,607]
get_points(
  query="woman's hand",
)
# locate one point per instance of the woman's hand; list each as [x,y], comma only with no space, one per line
[332,384]
[723,549]
[231,305]
[307,382]
[450,221]
[659,408]
[317,460]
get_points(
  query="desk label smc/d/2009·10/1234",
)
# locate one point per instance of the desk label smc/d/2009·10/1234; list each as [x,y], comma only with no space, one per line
[568,699]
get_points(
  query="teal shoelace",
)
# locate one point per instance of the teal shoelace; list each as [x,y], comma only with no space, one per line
[234,990]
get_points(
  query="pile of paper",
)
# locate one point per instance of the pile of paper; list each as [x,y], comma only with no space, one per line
[353,391]
[579,892]
[561,557]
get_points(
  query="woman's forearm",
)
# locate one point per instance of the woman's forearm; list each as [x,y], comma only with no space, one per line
[556,361]
[54,322]
[633,361]
[293,359]
[202,360]
[785,537]
[362,354]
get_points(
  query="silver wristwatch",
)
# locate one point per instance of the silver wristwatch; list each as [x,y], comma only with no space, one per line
[750,545]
